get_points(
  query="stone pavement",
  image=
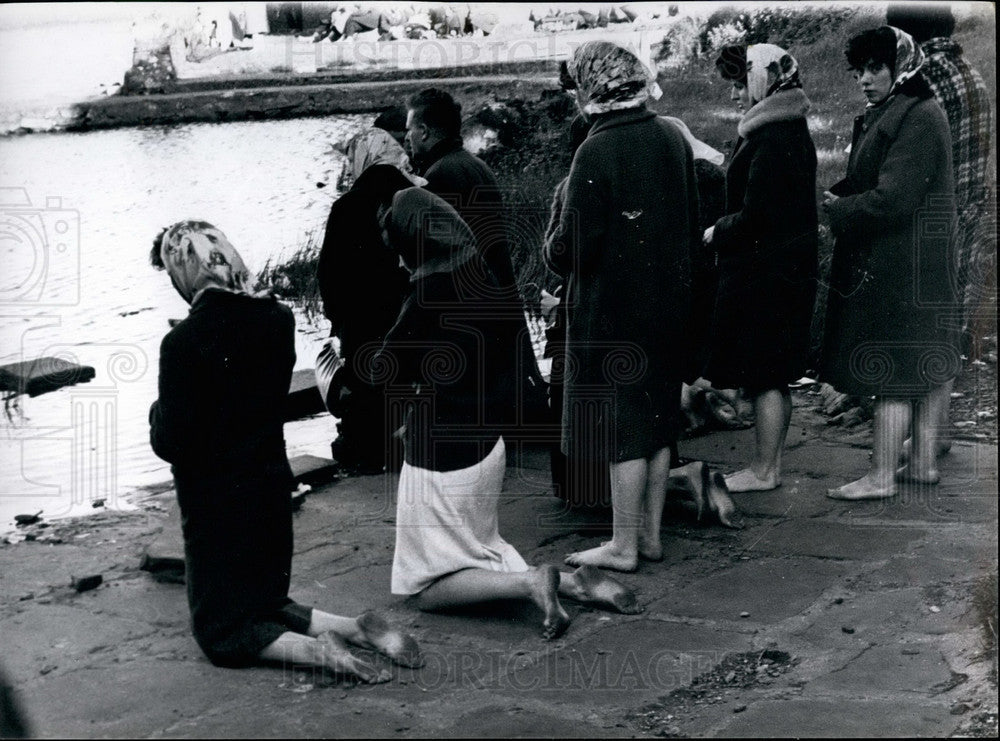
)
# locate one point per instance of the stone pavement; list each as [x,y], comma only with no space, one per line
[819,618]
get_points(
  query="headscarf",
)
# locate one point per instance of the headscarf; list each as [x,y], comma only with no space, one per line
[699,148]
[428,233]
[198,256]
[770,69]
[909,59]
[609,77]
[377,147]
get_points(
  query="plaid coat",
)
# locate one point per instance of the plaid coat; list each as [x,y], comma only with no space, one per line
[960,91]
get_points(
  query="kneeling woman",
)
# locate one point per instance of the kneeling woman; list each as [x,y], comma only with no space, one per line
[444,362]
[224,375]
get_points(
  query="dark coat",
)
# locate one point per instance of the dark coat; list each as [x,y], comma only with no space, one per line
[767,248]
[469,185]
[224,377]
[625,244]
[360,281]
[445,368]
[890,285]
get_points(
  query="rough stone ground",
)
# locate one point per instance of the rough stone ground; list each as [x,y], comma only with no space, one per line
[819,618]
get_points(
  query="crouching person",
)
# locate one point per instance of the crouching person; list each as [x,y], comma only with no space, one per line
[224,376]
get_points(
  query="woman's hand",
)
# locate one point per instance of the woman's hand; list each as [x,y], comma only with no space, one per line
[707,236]
[828,198]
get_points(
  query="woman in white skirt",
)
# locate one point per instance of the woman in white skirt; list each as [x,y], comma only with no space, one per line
[445,367]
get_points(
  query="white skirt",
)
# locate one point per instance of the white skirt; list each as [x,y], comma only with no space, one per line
[447,521]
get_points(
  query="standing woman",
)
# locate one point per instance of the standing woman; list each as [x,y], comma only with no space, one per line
[624,243]
[890,287]
[766,246]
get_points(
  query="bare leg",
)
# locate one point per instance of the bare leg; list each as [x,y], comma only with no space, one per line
[327,652]
[892,420]
[658,472]
[471,586]
[369,630]
[773,412]
[628,488]
[591,585]
[927,414]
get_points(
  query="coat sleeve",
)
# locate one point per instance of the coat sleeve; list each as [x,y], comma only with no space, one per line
[765,199]
[575,242]
[911,161]
[178,428]
[400,360]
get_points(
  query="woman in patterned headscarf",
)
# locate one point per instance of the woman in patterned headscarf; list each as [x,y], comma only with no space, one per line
[891,296]
[362,287]
[624,244]
[767,251]
[224,376]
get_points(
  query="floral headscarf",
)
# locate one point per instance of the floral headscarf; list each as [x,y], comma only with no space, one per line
[609,77]
[197,256]
[909,59]
[377,147]
[769,69]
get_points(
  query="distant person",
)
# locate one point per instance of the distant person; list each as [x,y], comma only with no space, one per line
[766,247]
[890,283]
[362,286]
[434,134]
[224,377]
[625,244]
[961,92]
[444,361]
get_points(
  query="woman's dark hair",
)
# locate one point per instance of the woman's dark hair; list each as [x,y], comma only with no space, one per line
[922,21]
[155,259]
[732,63]
[876,46]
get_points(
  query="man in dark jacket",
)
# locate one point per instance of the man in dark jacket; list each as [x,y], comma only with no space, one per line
[433,132]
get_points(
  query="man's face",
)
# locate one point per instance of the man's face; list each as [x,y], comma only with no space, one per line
[417,140]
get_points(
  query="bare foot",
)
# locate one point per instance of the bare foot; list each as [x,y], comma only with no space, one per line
[334,657]
[544,593]
[718,501]
[647,551]
[864,488]
[376,633]
[605,557]
[747,480]
[595,587]
[905,474]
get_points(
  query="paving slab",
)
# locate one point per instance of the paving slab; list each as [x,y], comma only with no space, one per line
[769,589]
[944,503]
[826,461]
[810,718]
[825,539]
[881,670]
[797,496]
[516,722]
[625,664]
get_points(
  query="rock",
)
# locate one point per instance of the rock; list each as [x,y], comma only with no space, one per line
[86,583]
[28,519]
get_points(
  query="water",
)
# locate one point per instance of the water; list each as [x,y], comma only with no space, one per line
[76,282]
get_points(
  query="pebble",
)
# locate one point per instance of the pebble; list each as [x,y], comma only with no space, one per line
[847,629]
[910,651]
[47,668]
[744,614]
[739,708]
[86,583]
[934,608]
[838,601]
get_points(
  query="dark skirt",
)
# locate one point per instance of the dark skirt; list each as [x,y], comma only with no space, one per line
[238,556]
